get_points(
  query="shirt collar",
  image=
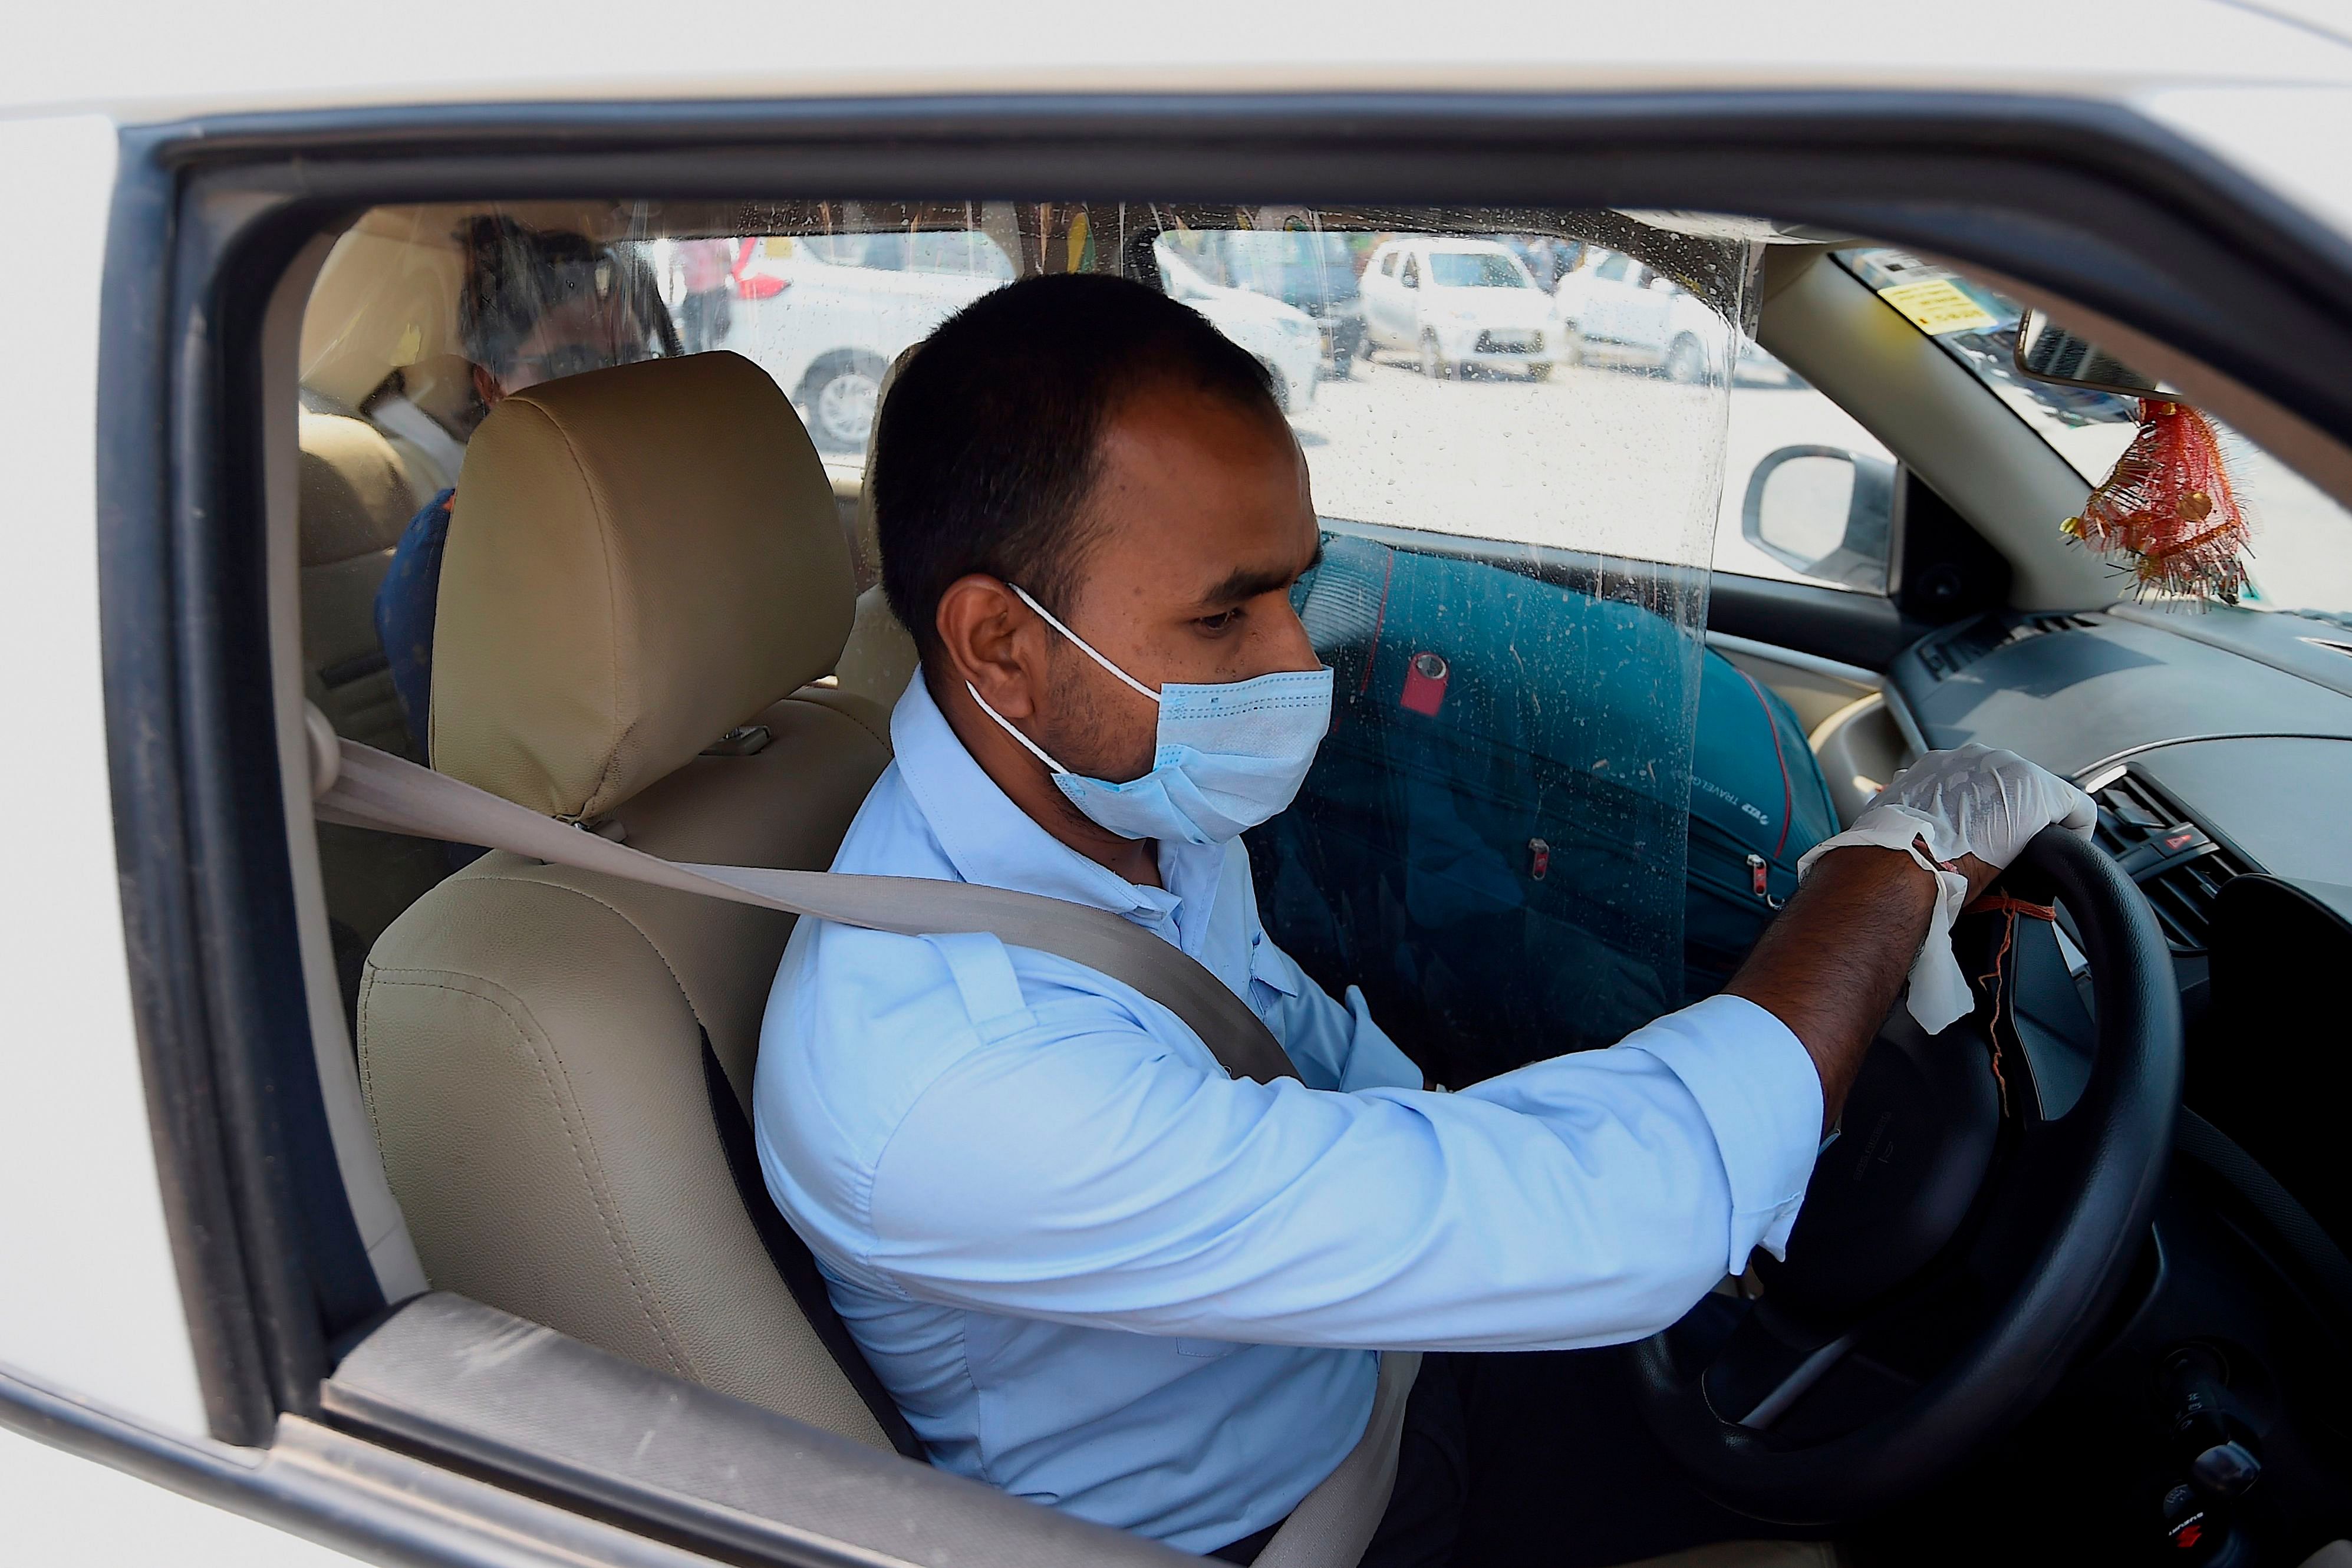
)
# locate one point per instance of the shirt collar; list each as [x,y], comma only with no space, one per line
[989,839]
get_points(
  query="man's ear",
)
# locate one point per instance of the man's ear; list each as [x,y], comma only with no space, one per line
[989,637]
[487,387]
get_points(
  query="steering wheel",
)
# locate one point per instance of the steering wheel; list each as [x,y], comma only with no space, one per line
[1955,1249]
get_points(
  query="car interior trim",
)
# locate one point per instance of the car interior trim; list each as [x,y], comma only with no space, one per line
[377,1224]
[2197,1139]
[1905,721]
[451,1376]
[2100,769]
[1817,664]
[348,1493]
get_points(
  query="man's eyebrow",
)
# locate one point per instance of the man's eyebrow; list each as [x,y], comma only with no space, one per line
[1248,583]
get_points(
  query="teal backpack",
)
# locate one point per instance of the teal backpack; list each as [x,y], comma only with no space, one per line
[1499,839]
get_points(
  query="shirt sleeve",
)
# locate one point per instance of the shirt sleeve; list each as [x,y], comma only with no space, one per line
[1333,1047]
[1086,1174]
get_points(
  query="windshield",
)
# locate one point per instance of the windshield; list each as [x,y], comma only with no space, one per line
[1307,269]
[2301,558]
[963,254]
[1477,270]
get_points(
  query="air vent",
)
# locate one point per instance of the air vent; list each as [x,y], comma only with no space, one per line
[2176,863]
[1955,651]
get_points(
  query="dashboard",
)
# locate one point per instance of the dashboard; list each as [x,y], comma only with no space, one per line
[2218,747]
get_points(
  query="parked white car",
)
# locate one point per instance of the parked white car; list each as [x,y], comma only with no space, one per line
[1283,338]
[1458,302]
[1620,312]
[828,314]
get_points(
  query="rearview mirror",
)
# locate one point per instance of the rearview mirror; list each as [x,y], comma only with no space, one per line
[2048,352]
[1823,511]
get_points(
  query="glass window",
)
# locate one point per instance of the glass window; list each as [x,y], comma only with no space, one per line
[1477,270]
[2302,553]
[1498,841]
[964,254]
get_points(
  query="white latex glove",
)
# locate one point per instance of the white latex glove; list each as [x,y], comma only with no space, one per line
[1972,801]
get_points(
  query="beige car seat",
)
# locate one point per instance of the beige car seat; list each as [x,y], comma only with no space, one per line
[644,568]
[880,658]
[355,497]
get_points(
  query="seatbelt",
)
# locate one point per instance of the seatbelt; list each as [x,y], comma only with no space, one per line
[1333,1524]
[359,786]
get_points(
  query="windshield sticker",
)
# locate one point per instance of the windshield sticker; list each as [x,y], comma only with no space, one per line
[1937,305]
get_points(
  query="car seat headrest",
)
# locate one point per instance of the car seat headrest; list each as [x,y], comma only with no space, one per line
[355,500]
[869,526]
[639,559]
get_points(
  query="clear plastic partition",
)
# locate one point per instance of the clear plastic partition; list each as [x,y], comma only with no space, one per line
[1515,424]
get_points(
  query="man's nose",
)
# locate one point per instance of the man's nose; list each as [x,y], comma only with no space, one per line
[1289,646]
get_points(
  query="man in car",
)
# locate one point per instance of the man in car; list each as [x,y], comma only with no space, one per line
[1091,1268]
[537,305]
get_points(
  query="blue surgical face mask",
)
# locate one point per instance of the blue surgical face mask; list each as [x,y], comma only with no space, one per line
[1229,756]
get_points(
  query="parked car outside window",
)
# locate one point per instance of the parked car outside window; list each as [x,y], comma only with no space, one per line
[1461,303]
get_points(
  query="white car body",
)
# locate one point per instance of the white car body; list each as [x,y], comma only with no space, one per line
[1283,338]
[116,1442]
[826,320]
[827,317]
[1416,301]
[1623,314]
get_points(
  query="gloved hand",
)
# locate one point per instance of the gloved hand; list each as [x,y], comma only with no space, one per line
[1971,800]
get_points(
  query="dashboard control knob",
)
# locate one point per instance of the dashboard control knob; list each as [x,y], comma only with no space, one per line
[2226,1469]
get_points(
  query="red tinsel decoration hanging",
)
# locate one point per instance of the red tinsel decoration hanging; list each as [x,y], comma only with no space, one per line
[2169,512]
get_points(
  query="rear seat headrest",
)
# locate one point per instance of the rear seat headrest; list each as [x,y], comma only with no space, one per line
[355,500]
[639,559]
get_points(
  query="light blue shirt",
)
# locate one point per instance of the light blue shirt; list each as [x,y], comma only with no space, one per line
[1097,1272]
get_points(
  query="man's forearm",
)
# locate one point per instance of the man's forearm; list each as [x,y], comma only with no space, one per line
[1830,966]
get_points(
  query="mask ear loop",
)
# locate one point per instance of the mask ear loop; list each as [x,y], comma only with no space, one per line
[1080,643]
[1006,725]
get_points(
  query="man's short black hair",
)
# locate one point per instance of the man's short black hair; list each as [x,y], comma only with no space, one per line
[989,444]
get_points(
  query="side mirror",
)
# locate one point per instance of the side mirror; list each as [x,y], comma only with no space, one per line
[1823,511]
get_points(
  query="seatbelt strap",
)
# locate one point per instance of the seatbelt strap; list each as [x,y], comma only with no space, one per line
[359,787]
[1333,1524]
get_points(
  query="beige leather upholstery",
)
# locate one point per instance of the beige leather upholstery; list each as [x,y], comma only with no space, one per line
[880,657]
[354,501]
[355,497]
[660,563]
[644,558]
